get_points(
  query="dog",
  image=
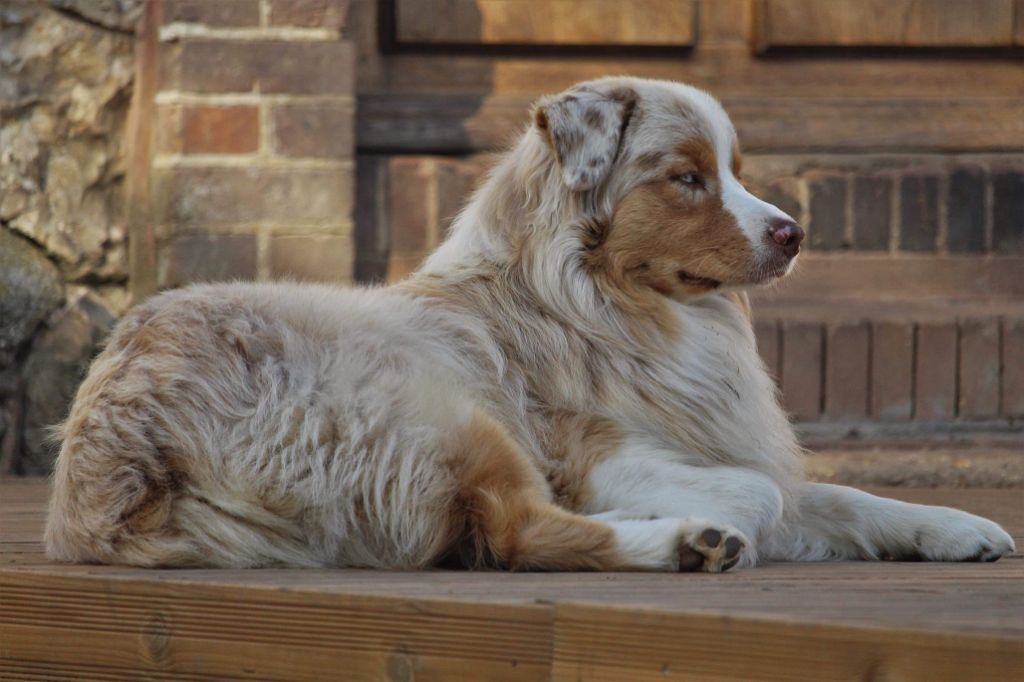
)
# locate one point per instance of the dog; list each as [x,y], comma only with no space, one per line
[570,382]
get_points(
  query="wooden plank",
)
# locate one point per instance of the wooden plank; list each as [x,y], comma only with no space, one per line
[192,631]
[142,249]
[846,370]
[979,368]
[935,371]
[96,627]
[1018,28]
[453,123]
[603,643]
[801,368]
[889,23]
[546,22]
[726,71]
[766,331]
[1012,388]
[892,380]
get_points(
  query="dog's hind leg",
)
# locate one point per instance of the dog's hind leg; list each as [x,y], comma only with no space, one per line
[505,518]
[836,522]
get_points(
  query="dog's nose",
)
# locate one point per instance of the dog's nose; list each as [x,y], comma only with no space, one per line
[786,234]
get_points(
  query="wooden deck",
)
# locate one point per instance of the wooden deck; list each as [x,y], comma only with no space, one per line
[813,622]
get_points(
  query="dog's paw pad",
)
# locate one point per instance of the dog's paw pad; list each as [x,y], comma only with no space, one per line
[711,537]
[712,550]
[690,559]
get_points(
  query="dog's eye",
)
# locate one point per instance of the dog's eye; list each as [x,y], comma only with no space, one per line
[689,179]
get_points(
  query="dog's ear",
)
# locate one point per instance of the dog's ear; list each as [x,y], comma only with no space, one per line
[584,129]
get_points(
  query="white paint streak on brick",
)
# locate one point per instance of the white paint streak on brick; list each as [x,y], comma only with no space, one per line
[245,98]
[180,30]
[246,161]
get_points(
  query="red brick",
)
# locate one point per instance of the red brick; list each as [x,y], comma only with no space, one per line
[371,221]
[218,13]
[314,130]
[801,368]
[410,184]
[979,368]
[208,258]
[892,379]
[311,258]
[219,130]
[935,371]
[846,370]
[965,203]
[271,66]
[872,203]
[827,224]
[309,13]
[1008,212]
[767,334]
[919,212]
[1012,398]
[784,193]
[195,197]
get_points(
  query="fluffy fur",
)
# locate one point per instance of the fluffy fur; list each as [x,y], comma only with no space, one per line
[569,382]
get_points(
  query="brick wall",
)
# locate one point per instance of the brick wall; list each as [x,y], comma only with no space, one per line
[902,204]
[250,162]
[897,205]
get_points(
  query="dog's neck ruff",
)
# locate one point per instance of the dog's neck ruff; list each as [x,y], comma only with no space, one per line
[524,220]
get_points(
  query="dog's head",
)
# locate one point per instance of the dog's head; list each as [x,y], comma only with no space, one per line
[663,161]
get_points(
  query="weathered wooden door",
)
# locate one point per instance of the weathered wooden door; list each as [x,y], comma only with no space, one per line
[893,129]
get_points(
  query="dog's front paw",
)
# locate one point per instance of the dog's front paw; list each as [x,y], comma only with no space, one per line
[709,547]
[952,535]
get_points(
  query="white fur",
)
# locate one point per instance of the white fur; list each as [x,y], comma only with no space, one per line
[752,214]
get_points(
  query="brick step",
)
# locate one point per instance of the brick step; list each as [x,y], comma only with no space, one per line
[986,466]
[875,360]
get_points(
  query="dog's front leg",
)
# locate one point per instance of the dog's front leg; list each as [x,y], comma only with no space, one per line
[836,522]
[651,484]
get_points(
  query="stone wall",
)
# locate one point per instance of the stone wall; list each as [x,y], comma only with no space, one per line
[148,144]
[66,70]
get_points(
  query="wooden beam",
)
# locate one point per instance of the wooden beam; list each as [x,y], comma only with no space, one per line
[142,256]
[884,23]
[465,123]
[545,22]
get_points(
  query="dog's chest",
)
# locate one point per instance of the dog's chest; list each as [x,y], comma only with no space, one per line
[710,393]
